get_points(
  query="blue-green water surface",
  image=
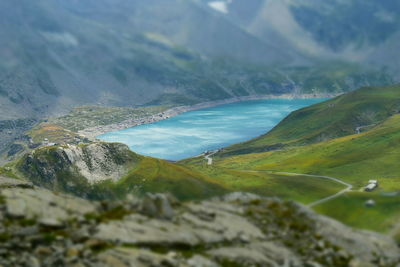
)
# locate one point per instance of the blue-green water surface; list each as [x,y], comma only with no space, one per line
[194,132]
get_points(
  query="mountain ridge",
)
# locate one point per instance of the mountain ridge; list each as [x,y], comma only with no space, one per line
[71,53]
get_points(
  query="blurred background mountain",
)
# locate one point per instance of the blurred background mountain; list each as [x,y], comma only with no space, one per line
[57,54]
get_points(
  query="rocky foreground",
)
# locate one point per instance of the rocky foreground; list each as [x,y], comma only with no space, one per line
[40,228]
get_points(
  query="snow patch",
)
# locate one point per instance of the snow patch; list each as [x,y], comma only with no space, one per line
[220,6]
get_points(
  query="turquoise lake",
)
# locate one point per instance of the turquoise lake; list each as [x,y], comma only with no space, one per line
[194,132]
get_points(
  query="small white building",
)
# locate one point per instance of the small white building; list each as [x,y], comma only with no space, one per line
[210,161]
[371,186]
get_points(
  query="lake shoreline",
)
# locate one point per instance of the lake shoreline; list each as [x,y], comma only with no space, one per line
[93,132]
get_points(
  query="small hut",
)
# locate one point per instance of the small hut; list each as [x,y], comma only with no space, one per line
[370,203]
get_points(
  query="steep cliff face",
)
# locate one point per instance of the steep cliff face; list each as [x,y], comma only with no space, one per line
[76,164]
[111,171]
[40,228]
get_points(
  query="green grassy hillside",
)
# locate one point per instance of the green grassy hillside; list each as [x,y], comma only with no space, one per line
[353,158]
[155,175]
[289,187]
[350,209]
[337,117]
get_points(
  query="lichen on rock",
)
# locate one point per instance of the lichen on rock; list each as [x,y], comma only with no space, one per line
[70,165]
[41,228]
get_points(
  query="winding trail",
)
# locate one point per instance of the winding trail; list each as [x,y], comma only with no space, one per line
[348,188]
[208,157]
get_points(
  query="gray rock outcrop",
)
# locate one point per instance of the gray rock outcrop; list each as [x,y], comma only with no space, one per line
[41,228]
[93,163]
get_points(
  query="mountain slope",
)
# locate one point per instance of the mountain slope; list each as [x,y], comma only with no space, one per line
[295,146]
[63,53]
[60,54]
[110,171]
[344,115]
[353,30]
[57,55]
[356,159]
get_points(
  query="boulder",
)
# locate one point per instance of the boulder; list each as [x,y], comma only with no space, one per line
[40,228]
[158,206]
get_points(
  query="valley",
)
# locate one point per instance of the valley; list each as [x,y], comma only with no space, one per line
[319,163]
[200,133]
